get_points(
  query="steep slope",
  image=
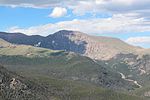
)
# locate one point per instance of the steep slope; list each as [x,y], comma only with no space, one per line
[4,43]
[95,47]
[133,68]
[15,87]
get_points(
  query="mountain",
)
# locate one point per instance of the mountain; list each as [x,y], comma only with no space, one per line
[35,62]
[95,47]
[61,65]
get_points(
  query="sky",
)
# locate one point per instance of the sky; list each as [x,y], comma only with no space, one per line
[128,20]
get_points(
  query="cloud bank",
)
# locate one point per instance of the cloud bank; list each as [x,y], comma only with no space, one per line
[141,7]
[117,24]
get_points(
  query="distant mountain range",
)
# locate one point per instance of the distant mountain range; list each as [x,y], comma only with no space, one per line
[95,47]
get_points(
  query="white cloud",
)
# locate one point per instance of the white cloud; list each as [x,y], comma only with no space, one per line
[80,7]
[117,24]
[32,3]
[139,40]
[58,12]
[109,5]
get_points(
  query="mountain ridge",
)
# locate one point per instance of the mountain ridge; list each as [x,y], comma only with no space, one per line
[95,47]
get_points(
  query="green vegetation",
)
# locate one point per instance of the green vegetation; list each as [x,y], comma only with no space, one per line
[42,88]
[28,51]
[67,76]
[55,73]
[66,66]
[72,90]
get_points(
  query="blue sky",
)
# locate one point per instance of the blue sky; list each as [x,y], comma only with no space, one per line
[124,19]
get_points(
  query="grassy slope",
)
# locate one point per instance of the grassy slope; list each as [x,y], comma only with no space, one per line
[71,90]
[29,51]
[4,43]
[66,66]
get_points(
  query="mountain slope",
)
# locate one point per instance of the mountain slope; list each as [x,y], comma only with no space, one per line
[20,38]
[62,65]
[7,48]
[132,68]
[95,47]
[4,43]
[15,87]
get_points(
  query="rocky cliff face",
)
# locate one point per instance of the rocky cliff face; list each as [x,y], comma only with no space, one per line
[14,87]
[65,40]
[95,47]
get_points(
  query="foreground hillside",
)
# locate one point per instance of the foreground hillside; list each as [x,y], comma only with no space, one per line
[15,87]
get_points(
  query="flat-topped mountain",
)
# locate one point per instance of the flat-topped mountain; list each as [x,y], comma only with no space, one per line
[95,47]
